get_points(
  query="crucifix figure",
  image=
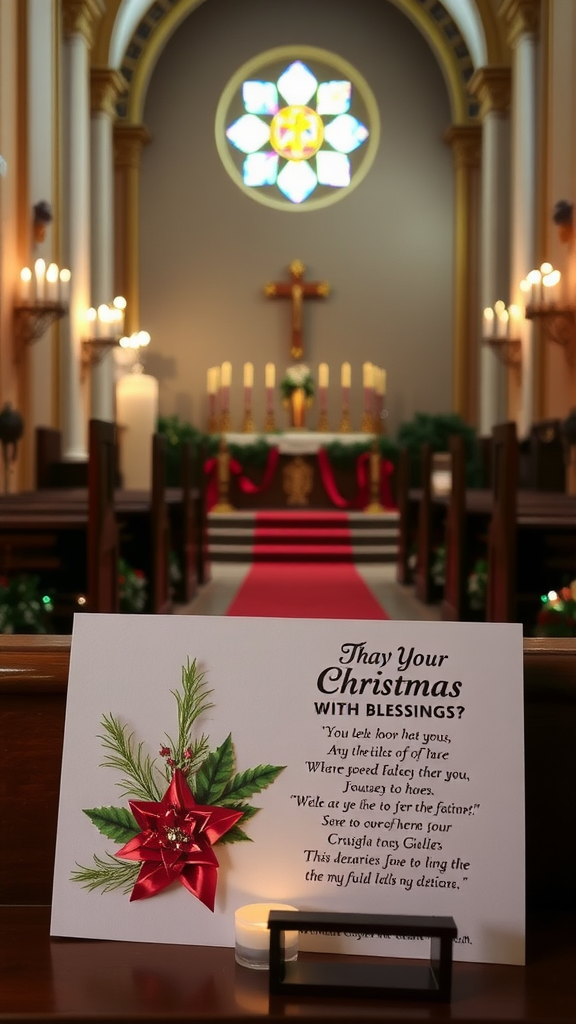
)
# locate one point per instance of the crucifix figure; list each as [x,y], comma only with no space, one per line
[297,290]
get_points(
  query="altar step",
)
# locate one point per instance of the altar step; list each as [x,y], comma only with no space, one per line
[314,536]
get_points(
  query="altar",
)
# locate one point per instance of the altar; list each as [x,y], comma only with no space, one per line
[299,471]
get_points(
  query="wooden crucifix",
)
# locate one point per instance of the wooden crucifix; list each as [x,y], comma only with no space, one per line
[297,290]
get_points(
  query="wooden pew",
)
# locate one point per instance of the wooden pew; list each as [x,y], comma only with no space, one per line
[453,606]
[531,540]
[70,544]
[103,553]
[33,685]
[407,521]
[501,593]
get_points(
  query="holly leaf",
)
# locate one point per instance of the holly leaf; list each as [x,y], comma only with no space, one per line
[116,823]
[213,776]
[253,780]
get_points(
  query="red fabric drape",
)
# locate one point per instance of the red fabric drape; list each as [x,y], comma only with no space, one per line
[246,485]
[362,479]
[327,476]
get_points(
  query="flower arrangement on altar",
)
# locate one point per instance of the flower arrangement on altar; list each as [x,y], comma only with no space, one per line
[297,377]
[557,615]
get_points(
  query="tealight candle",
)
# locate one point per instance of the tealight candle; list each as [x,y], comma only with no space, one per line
[253,936]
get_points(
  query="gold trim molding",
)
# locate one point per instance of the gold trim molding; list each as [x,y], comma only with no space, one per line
[465,141]
[82,17]
[492,87]
[129,141]
[521,17]
[106,85]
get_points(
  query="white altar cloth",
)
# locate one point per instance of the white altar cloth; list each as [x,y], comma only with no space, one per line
[299,442]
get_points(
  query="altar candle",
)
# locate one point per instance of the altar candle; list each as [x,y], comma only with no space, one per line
[212,381]
[25,284]
[52,281]
[368,384]
[346,375]
[137,412]
[248,375]
[40,279]
[269,375]
[226,375]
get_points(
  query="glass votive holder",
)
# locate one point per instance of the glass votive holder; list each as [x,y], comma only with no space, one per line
[252,936]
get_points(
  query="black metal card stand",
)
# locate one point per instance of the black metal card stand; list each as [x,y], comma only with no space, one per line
[430,980]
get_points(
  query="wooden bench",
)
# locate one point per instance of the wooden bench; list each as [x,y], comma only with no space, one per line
[64,979]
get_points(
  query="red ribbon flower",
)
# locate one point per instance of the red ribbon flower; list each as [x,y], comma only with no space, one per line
[176,842]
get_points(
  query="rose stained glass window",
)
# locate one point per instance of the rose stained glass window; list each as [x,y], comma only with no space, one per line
[301,133]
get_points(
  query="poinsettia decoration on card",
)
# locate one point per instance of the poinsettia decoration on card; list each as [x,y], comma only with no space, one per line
[178,809]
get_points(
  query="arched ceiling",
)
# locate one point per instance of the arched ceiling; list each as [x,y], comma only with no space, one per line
[461,33]
[464,12]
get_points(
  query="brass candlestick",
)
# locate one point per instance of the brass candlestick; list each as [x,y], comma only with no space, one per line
[270,423]
[223,473]
[323,424]
[375,505]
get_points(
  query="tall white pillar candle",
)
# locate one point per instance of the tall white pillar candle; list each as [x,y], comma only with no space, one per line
[137,416]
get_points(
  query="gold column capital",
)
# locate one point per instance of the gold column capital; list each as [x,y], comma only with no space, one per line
[129,140]
[82,17]
[492,87]
[106,85]
[466,143]
[521,17]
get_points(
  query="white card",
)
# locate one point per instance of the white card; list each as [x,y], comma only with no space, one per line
[401,789]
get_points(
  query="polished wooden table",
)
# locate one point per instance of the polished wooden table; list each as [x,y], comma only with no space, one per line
[44,979]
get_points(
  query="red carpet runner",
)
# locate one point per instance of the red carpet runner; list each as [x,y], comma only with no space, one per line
[304,589]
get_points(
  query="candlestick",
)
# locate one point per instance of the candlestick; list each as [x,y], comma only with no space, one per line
[137,412]
[248,425]
[253,937]
[225,382]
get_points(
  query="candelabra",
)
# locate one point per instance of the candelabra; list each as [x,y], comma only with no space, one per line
[498,323]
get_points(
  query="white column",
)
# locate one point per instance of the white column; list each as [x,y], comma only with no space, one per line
[491,86]
[79,18]
[522,22]
[105,85]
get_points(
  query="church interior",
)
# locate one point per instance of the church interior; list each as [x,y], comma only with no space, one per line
[288,329]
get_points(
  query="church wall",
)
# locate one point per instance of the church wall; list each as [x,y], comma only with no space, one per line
[207,250]
[560,183]
[8,194]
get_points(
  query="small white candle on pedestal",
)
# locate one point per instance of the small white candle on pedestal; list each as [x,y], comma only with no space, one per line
[488,322]
[52,283]
[65,276]
[253,936]
[269,383]
[39,280]
[137,413]
[25,284]
[346,375]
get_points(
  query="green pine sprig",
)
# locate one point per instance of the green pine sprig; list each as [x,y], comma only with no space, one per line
[187,752]
[109,874]
[138,768]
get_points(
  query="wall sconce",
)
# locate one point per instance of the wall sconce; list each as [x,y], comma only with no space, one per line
[43,299]
[500,333]
[544,305]
[105,330]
